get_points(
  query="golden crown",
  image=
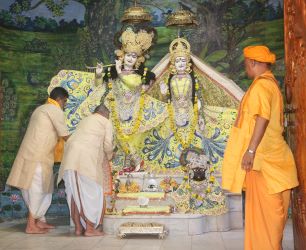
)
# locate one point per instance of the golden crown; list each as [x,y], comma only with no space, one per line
[138,42]
[179,47]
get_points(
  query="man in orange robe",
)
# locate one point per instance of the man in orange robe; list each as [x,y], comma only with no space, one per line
[257,157]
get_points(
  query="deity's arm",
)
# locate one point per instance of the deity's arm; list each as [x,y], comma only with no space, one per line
[99,74]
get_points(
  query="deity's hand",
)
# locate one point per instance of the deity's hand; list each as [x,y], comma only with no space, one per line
[99,69]
[118,66]
[201,123]
[163,88]
[145,87]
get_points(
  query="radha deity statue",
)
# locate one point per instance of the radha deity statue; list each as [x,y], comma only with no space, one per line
[200,111]
[200,114]
[183,94]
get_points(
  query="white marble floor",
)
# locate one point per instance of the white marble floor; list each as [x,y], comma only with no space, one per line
[12,237]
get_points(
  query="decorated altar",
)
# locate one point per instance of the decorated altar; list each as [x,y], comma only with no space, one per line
[170,125]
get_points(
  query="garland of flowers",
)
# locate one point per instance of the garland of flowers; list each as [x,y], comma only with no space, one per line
[121,135]
[193,125]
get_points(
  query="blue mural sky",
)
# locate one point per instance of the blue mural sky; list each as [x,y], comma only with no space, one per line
[76,10]
[73,10]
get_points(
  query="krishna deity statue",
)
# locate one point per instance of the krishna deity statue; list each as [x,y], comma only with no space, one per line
[125,83]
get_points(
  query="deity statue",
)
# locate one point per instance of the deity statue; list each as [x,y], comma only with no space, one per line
[200,110]
[126,80]
[183,94]
[125,83]
[194,124]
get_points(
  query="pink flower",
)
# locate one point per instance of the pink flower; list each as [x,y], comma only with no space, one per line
[14,198]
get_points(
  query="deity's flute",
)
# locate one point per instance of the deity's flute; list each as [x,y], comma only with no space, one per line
[107,65]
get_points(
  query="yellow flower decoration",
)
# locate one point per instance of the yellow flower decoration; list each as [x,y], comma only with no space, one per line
[190,137]
[212,178]
[132,188]
[123,138]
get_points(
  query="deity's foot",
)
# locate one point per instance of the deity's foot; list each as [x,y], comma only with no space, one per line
[93,232]
[44,225]
[35,230]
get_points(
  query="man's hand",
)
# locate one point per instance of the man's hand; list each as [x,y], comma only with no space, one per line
[247,161]
[259,131]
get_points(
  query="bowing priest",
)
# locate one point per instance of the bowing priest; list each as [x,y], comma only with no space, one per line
[82,170]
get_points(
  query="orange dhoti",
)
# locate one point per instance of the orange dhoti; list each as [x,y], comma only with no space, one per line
[265,214]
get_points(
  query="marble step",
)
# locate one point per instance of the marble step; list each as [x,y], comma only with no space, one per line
[234,202]
[179,224]
[122,203]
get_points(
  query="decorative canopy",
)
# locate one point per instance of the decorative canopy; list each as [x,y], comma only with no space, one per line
[181,18]
[136,14]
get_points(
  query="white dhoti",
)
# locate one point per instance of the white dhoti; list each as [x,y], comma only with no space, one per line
[36,200]
[87,195]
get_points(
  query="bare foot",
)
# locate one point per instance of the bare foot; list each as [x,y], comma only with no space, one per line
[35,230]
[44,225]
[79,231]
[95,232]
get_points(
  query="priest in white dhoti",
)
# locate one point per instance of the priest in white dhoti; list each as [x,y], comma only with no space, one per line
[32,171]
[82,170]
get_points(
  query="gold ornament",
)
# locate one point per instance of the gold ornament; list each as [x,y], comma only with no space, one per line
[136,14]
[138,42]
[179,47]
[181,18]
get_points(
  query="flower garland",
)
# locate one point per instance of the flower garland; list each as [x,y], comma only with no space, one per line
[192,127]
[121,135]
